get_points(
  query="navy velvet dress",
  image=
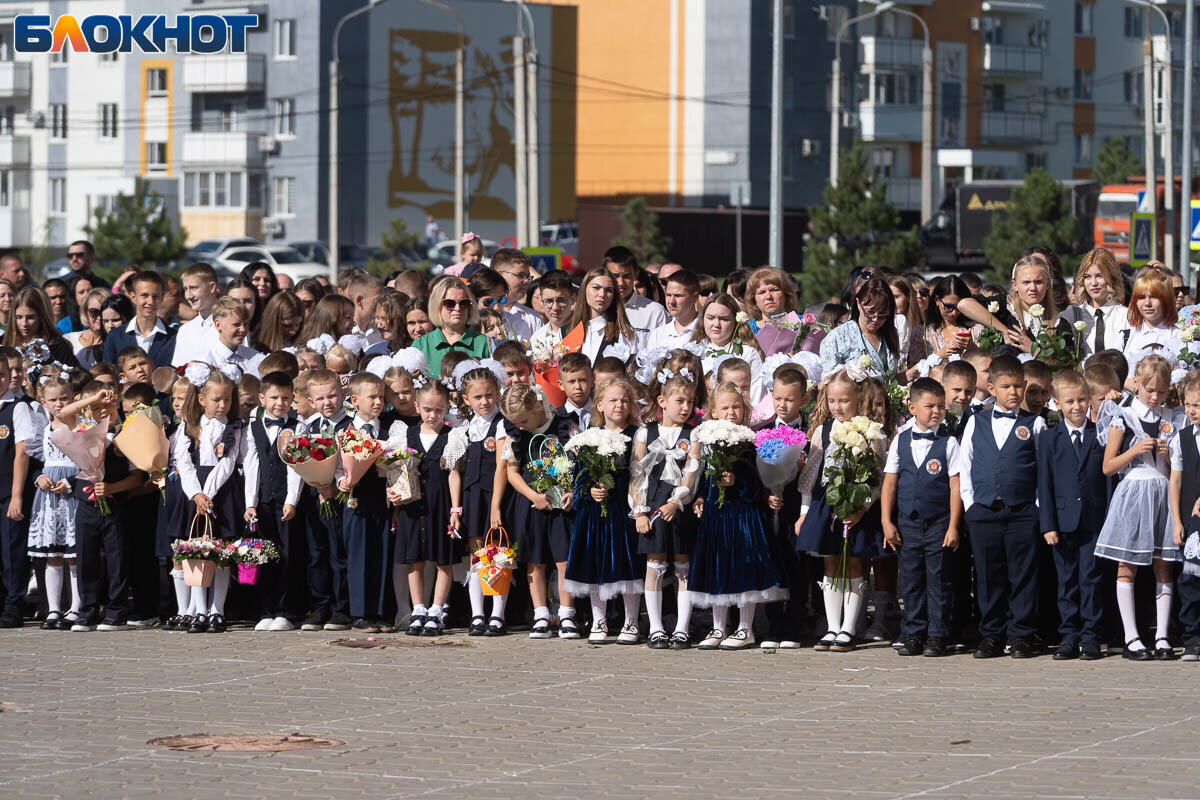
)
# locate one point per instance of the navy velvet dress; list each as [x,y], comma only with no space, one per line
[543,537]
[604,550]
[821,532]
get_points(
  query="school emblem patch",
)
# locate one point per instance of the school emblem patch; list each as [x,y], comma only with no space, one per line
[933,467]
[220,449]
[1023,433]
[1166,429]
[489,444]
[287,435]
[683,445]
[4,431]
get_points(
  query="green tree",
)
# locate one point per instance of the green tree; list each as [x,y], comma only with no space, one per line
[137,230]
[1115,163]
[865,227]
[1038,213]
[398,240]
[639,232]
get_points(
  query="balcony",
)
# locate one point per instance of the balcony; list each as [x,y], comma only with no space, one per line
[889,123]
[1000,126]
[904,193]
[14,78]
[14,151]
[883,52]
[1011,60]
[221,149]
[227,72]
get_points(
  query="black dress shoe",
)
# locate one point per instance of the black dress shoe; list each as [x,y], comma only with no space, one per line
[1136,655]
[1066,651]
[911,647]
[50,623]
[934,648]
[1090,651]
[478,627]
[1163,650]
[172,623]
[496,627]
[1021,648]
[989,648]
[216,624]
[10,620]
[415,624]
[199,624]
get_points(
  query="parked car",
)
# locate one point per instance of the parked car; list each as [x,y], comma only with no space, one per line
[211,248]
[312,250]
[282,259]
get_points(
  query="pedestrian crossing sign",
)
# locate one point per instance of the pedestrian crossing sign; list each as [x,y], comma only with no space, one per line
[1195,237]
[1141,239]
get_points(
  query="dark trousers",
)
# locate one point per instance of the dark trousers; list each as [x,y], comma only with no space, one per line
[1188,588]
[99,548]
[14,561]
[281,584]
[317,539]
[960,568]
[785,617]
[141,562]
[923,578]
[1004,540]
[368,537]
[1080,605]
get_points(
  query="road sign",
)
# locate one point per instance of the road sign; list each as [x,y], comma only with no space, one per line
[739,193]
[1195,238]
[545,258]
[1141,201]
[1141,239]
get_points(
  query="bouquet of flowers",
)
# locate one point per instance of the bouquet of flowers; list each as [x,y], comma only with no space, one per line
[852,470]
[724,443]
[545,356]
[1189,332]
[399,468]
[897,399]
[143,441]
[359,453]
[991,337]
[1049,345]
[314,459]
[249,555]
[778,451]
[495,562]
[598,451]
[198,558]
[85,446]
[551,470]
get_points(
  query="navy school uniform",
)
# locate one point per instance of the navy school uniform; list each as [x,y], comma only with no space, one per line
[421,525]
[1072,500]
[922,517]
[14,534]
[174,507]
[99,545]
[821,533]
[326,545]
[228,505]
[367,531]
[786,617]
[281,585]
[678,536]
[478,474]
[960,564]
[543,537]
[1188,582]
[1003,519]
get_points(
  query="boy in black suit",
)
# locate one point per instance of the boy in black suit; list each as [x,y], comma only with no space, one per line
[1072,500]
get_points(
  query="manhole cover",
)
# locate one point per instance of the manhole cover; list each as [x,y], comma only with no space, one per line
[247,743]
[392,642]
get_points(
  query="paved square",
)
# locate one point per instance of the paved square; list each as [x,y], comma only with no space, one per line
[512,717]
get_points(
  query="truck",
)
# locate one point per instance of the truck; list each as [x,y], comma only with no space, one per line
[1117,202]
[955,234]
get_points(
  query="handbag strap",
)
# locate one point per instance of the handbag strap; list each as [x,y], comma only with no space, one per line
[501,538]
[206,533]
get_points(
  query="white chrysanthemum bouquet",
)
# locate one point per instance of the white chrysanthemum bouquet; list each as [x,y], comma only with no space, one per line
[724,443]
[599,451]
[852,470]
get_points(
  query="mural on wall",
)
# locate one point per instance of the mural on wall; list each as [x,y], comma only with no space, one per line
[421,101]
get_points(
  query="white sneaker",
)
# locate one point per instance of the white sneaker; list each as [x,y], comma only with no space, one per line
[767,644]
[264,624]
[738,640]
[788,644]
[712,640]
[282,624]
[629,633]
[568,628]
[599,634]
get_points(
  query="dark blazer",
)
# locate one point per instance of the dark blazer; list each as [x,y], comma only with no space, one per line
[1071,495]
[162,347]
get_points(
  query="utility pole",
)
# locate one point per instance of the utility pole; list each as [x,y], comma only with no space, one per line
[533,236]
[1185,193]
[775,233]
[1148,123]
[519,119]
[459,57]
[1168,137]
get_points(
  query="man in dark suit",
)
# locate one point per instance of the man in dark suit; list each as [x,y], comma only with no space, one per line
[145,330]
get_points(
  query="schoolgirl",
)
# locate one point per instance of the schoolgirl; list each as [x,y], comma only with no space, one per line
[724,330]
[173,517]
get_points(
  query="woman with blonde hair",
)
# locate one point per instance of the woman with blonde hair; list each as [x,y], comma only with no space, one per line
[1099,295]
[1030,307]
[455,317]
[770,295]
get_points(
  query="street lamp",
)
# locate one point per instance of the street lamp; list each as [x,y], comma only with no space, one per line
[333,139]
[458,119]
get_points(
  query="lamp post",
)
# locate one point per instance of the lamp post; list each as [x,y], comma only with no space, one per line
[1168,134]
[459,224]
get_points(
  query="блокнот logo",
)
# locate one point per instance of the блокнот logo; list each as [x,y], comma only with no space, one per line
[191,33]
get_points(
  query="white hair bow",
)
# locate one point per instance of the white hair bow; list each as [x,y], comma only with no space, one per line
[321,344]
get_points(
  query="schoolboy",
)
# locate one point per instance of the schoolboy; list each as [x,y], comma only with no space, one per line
[196,337]
[1072,501]
[959,380]
[979,359]
[682,297]
[557,294]
[1185,506]
[134,365]
[517,367]
[1037,387]
[14,525]
[232,323]
[149,585]
[921,509]
[576,380]
[998,483]
[145,330]
[1103,384]
[608,368]
[280,361]
[1116,361]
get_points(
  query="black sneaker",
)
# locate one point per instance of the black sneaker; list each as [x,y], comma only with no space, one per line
[989,648]
[338,622]
[934,648]
[86,624]
[364,626]
[1191,652]
[113,624]
[10,619]
[315,621]
[911,647]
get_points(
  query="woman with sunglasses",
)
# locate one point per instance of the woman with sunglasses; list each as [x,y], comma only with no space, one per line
[943,334]
[870,331]
[88,343]
[492,294]
[309,291]
[455,317]
[1100,303]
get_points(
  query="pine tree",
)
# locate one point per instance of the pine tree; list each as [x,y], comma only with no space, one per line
[137,230]
[639,232]
[398,240]
[1115,163]
[1039,213]
[865,226]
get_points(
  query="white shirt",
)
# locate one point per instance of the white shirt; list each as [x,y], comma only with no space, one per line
[522,321]
[585,413]
[1161,340]
[644,315]
[547,334]
[1176,451]
[669,335]
[250,468]
[194,340]
[318,423]
[594,338]
[144,342]
[24,429]
[713,354]
[1116,322]
[212,454]
[1001,428]
[246,358]
[920,450]
[374,432]
[372,336]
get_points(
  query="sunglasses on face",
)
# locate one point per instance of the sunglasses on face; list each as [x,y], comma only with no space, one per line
[492,302]
[94,313]
[948,306]
[76,255]
[923,292]
[463,304]
[1180,291]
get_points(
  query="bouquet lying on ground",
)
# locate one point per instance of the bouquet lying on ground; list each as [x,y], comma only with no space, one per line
[852,471]
[359,453]
[598,452]
[725,443]
[399,468]
[314,459]
[551,469]
[777,452]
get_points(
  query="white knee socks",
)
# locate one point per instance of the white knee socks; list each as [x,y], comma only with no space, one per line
[1128,616]
[183,593]
[654,573]
[1162,605]
[54,587]
[475,590]
[633,604]
[220,588]
[76,600]
[498,605]
[746,616]
[199,602]
[599,607]
[854,601]
[833,604]
[720,617]
[683,601]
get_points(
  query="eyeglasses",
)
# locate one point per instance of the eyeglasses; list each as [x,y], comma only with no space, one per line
[1180,291]
[557,301]
[492,302]
[463,304]
[948,306]
[94,313]
[523,277]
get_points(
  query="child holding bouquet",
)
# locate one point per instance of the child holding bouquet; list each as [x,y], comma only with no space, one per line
[543,531]
[52,523]
[603,560]
[173,515]
[206,456]
[734,562]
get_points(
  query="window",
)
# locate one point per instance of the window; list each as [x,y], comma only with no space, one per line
[220,189]
[58,195]
[5,177]
[992,30]
[212,190]
[1037,33]
[58,120]
[254,191]
[883,162]
[993,97]
[789,20]
[1083,149]
[894,88]
[1134,22]
[1083,84]
[281,197]
[60,57]
[835,17]
[205,197]
[6,120]
[156,83]
[235,189]
[156,156]
[189,189]
[1133,87]
[285,38]
[285,116]
[6,43]
[789,93]
[1083,19]
[108,120]
[1034,160]
[789,164]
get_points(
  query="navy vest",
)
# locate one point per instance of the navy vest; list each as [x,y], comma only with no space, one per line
[228,440]
[481,460]
[1191,470]
[923,492]
[272,472]
[8,450]
[1010,472]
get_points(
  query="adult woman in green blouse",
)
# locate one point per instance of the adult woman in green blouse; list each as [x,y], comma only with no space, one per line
[455,319]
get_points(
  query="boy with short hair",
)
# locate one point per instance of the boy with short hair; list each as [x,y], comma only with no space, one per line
[1072,501]
[280,361]
[558,299]
[196,337]
[608,368]
[981,360]
[921,509]
[517,367]
[1185,506]
[576,380]
[1103,384]
[998,483]
[145,330]
[1037,387]
[682,298]
[135,365]
[516,267]
[959,381]
[232,323]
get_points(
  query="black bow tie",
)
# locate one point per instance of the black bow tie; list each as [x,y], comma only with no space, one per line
[1004,414]
[928,436]
[272,422]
